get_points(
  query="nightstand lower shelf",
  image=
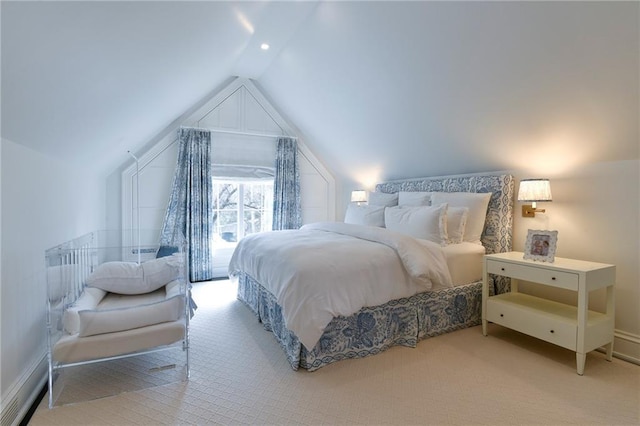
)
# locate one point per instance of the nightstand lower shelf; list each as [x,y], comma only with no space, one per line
[547,320]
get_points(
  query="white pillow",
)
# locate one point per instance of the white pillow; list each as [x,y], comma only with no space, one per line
[131,278]
[383,199]
[477,204]
[365,215]
[414,198]
[87,301]
[425,222]
[111,320]
[456,223]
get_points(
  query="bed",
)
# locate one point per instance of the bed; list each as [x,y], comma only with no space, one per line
[407,298]
[109,302]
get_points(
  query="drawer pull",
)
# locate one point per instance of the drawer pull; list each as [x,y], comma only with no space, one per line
[502,269]
[552,331]
[553,278]
[501,315]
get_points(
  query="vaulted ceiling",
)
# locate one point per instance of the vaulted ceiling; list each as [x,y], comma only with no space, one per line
[376,89]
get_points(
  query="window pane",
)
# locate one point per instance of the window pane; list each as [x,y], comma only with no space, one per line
[225,196]
[256,210]
[228,225]
[257,207]
[225,213]
[253,222]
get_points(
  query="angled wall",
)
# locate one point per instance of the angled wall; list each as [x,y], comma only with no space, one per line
[237,112]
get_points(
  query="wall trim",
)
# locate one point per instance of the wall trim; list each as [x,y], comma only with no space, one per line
[634,339]
[24,392]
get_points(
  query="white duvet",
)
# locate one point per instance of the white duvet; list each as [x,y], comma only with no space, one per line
[330,269]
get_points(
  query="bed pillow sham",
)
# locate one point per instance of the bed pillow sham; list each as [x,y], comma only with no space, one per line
[424,222]
[383,199]
[97,321]
[456,224]
[417,198]
[365,215]
[131,278]
[477,204]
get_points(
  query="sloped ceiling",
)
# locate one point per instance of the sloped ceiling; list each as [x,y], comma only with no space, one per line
[379,90]
[88,80]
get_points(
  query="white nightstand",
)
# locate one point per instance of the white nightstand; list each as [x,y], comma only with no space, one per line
[574,328]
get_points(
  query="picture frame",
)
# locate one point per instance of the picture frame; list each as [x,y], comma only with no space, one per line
[541,245]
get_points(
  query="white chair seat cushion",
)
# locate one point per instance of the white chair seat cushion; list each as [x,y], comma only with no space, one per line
[117,312]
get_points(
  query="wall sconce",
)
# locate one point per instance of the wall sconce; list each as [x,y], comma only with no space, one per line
[359,196]
[533,191]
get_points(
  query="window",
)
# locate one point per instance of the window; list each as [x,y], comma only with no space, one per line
[240,208]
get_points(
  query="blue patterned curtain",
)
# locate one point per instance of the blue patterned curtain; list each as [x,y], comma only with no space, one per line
[286,187]
[189,212]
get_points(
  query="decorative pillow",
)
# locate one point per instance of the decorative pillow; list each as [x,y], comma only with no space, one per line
[365,215]
[425,222]
[456,223]
[131,278]
[477,204]
[96,321]
[414,198]
[383,199]
[164,251]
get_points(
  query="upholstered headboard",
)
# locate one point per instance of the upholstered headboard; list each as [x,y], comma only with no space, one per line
[498,230]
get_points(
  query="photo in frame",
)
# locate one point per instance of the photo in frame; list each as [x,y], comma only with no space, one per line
[541,245]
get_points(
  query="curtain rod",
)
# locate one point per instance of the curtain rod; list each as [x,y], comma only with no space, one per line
[235,132]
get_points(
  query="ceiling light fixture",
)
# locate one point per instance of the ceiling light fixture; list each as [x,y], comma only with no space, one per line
[264,46]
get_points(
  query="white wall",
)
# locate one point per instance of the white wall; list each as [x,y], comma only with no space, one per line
[595,210]
[44,202]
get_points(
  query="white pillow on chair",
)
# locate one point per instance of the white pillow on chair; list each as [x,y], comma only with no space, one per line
[131,278]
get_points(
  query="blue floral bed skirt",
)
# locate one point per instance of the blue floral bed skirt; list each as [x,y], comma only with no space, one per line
[371,330]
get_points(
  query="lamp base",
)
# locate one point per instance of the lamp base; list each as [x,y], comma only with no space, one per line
[529,211]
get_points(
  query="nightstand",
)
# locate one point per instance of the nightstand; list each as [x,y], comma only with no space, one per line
[576,328]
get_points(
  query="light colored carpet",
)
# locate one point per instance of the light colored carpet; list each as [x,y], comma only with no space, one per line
[239,375]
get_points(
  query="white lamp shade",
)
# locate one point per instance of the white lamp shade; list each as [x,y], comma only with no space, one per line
[533,190]
[358,196]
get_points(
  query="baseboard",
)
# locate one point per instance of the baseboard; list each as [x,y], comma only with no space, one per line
[626,346]
[24,392]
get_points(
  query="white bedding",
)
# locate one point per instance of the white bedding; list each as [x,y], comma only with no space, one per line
[325,270]
[465,262]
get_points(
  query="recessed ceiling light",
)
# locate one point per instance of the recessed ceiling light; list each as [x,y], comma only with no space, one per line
[264,46]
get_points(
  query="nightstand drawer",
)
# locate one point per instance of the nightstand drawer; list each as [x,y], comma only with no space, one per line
[535,274]
[534,323]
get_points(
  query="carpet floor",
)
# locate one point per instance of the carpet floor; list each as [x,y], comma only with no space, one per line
[240,376]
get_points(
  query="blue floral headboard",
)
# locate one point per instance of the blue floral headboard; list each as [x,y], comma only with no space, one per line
[498,230]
